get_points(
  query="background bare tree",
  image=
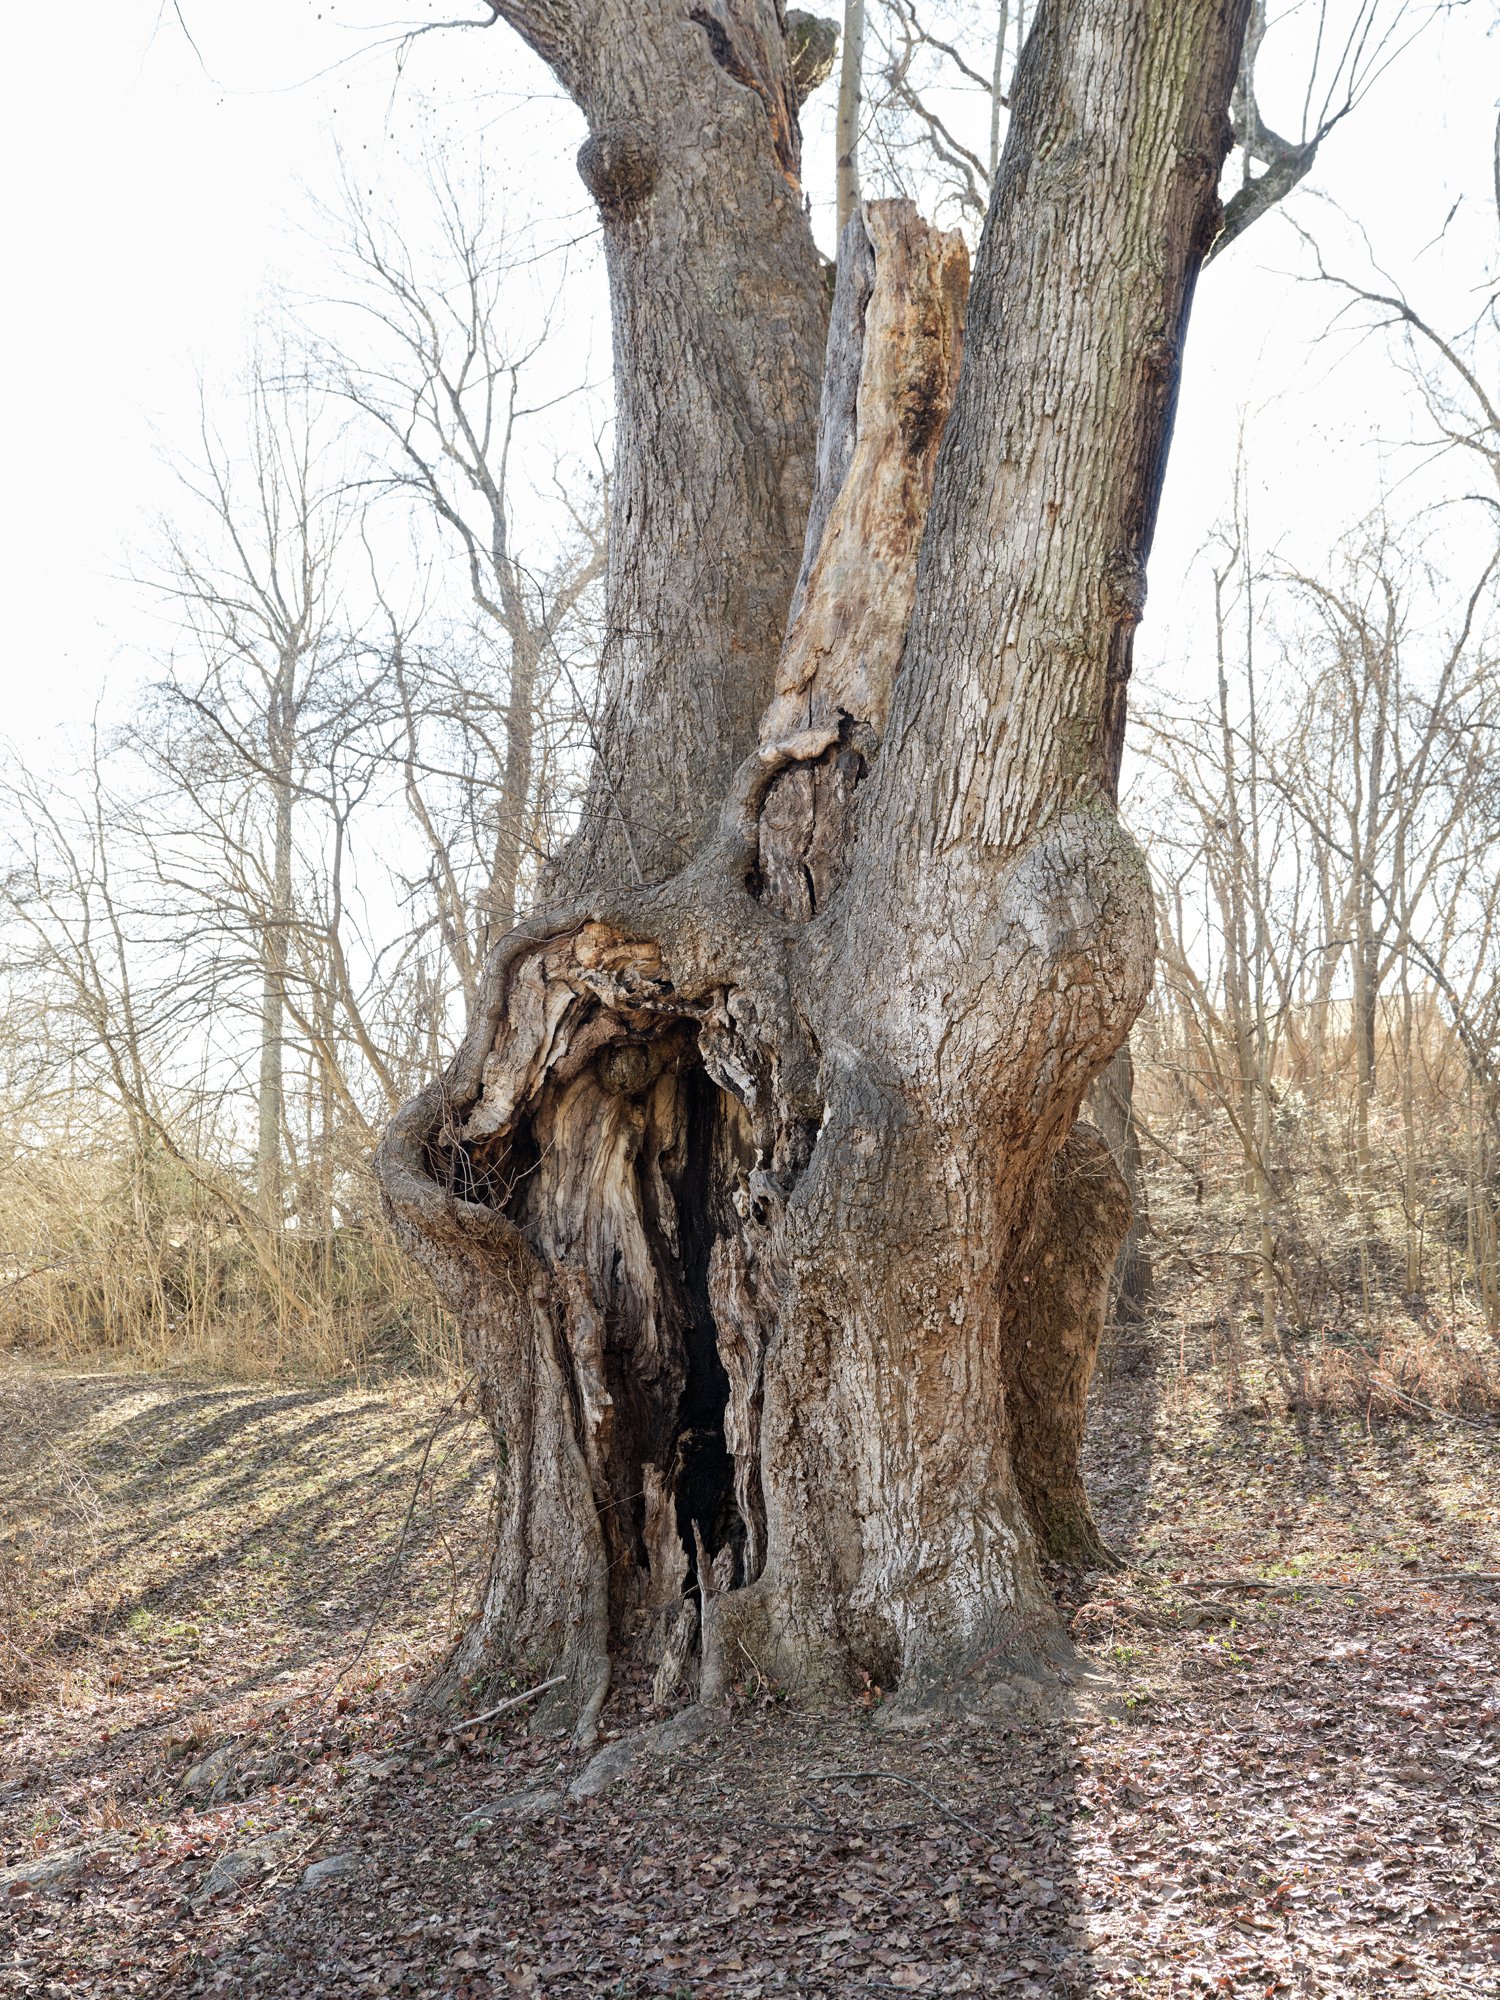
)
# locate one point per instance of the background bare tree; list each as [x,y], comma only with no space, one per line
[243,928]
[1327,864]
[938,76]
[434,363]
[240,728]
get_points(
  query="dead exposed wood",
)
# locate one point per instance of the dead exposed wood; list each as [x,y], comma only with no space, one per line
[877,455]
[672,1672]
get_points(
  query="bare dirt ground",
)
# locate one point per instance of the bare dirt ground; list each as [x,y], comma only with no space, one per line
[217,1605]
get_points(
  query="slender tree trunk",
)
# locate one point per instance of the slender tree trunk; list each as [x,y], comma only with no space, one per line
[757,1190]
[275,946]
[1362,1036]
[851,104]
[1261,952]
[997,85]
[327,1044]
[515,787]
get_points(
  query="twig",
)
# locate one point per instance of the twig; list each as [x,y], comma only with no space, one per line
[1404,1396]
[1280,1586]
[829,1829]
[37,1271]
[512,1701]
[844,1777]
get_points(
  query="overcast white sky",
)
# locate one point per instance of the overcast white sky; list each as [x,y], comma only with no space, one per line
[159,192]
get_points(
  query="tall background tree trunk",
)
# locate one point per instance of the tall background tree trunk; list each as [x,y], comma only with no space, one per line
[516,784]
[275,945]
[851,101]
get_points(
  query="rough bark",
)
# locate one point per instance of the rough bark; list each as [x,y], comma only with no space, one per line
[1110,1105]
[755,1187]
[719,310]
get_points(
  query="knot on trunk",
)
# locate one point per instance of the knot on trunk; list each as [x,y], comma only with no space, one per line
[1125,587]
[619,166]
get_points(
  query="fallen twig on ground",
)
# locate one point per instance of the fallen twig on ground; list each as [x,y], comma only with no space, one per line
[511,1701]
[842,1777]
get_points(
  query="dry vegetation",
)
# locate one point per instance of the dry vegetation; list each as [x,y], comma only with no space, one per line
[187,1285]
[1390,1314]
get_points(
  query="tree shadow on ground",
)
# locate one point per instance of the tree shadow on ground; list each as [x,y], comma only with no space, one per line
[782,1852]
[1292,1797]
[181,1549]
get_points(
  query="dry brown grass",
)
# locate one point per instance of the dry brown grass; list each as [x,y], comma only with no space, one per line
[1382,1284]
[94,1267]
[1421,1369]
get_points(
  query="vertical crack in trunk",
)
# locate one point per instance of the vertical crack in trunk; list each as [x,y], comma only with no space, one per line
[611,1146]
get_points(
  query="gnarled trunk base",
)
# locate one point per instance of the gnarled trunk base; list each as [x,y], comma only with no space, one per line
[750,1283]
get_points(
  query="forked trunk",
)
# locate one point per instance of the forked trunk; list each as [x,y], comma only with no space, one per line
[758,1187]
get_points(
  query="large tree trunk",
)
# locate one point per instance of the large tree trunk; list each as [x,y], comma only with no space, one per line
[758,1190]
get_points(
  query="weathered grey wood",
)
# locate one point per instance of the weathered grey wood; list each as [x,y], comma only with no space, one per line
[893,360]
[838,408]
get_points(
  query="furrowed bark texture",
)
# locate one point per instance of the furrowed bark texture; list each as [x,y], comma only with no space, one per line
[1109,1104]
[759,1190]
[719,311]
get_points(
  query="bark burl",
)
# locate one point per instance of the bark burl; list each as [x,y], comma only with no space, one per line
[756,1184]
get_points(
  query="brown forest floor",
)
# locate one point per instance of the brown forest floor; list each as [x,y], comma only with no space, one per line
[1295,1789]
